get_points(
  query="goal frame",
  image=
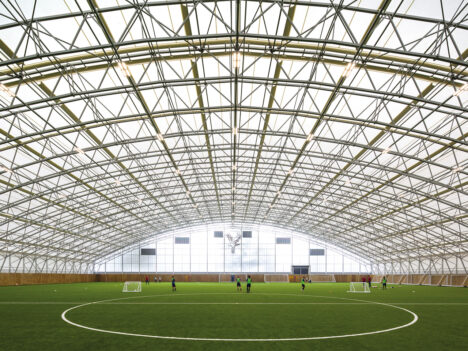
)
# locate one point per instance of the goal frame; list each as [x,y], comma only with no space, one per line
[226,277]
[137,290]
[365,285]
[314,278]
[285,278]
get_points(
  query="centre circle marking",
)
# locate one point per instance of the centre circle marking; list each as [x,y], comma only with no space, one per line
[413,321]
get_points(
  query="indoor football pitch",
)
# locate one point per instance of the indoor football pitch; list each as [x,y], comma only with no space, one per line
[214,316]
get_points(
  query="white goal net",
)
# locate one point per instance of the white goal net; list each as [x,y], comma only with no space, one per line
[276,278]
[359,287]
[231,277]
[132,287]
[322,278]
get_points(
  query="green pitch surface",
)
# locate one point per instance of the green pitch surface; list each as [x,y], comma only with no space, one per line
[31,317]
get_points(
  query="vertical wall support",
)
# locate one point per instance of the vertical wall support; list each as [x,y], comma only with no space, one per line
[173,252]
[224,252]
[258,251]
[207,238]
[326,260]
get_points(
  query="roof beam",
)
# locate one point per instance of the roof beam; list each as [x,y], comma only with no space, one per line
[188,32]
[271,100]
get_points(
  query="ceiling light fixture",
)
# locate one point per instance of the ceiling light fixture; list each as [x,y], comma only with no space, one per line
[123,68]
[461,90]
[6,169]
[386,151]
[236,59]
[6,91]
[349,68]
[78,150]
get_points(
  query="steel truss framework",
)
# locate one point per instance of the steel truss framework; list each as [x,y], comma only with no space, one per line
[343,120]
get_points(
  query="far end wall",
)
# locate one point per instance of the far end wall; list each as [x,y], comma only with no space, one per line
[13,279]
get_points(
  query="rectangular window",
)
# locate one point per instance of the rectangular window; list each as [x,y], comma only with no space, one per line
[247,234]
[218,234]
[182,240]
[148,252]
[317,252]
[300,269]
[283,240]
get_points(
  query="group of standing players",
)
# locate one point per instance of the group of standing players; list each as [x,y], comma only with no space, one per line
[249,283]
[239,284]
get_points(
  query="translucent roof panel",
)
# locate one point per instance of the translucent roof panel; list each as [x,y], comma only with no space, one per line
[348,122]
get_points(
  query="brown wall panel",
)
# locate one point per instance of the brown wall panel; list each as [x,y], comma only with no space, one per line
[44,278]
[459,280]
[259,278]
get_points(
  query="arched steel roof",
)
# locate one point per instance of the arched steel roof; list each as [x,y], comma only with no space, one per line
[346,120]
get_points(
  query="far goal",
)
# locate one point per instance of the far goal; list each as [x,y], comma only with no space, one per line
[132,287]
[232,277]
[359,287]
[276,278]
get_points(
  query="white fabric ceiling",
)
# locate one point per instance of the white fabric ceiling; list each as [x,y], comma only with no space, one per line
[346,120]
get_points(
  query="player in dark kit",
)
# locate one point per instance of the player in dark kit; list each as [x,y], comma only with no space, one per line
[173,284]
[249,283]
[239,286]
[303,284]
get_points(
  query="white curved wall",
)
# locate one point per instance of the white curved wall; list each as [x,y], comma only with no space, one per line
[206,253]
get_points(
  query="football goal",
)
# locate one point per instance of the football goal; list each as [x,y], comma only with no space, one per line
[231,277]
[276,278]
[359,287]
[132,287]
[322,278]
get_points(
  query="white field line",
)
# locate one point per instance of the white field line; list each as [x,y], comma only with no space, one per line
[413,321]
[226,303]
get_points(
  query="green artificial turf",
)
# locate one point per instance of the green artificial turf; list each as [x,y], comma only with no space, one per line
[31,317]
